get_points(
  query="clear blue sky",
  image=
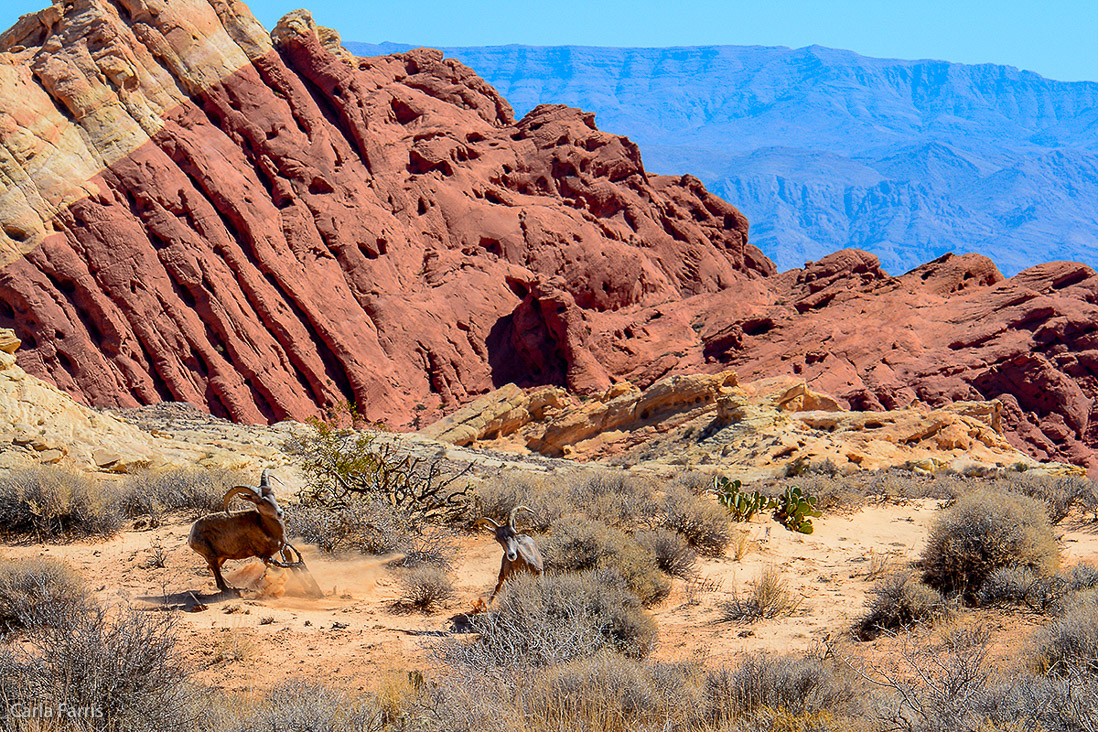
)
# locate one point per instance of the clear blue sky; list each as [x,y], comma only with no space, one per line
[1055,38]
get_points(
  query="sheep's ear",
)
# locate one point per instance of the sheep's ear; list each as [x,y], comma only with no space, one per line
[267,491]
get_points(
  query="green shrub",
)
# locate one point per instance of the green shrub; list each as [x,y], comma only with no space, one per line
[51,503]
[982,532]
[579,543]
[900,601]
[34,592]
[541,621]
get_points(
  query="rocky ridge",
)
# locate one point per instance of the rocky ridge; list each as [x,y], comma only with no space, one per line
[264,225]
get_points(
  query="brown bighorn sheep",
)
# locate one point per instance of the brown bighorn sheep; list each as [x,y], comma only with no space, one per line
[260,533]
[520,553]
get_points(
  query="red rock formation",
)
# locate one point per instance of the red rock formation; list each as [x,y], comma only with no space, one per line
[192,211]
[275,229]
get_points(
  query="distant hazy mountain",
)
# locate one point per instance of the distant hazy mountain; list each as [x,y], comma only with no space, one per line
[824,149]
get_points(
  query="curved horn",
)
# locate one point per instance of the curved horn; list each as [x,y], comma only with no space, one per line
[244,491]
[486,522]
[265,478]
[516,509]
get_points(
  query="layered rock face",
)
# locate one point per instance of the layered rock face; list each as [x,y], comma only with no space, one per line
[192,211]
[263,225]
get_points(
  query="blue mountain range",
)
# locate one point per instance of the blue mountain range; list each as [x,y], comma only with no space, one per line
[824,149]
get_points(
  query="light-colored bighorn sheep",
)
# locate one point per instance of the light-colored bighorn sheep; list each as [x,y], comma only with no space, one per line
[260,533]
[520,553]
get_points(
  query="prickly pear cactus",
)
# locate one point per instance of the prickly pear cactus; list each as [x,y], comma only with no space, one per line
[795,510]
[740,503]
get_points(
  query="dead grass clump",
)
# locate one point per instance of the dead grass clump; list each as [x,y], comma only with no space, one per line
[794,686]
[767,596]
[425,588]
[698,482]
[579,543]
[541,621]
[34,592]
[1069,645]
[900,601]
[615,498]
[52,503]
[982,532]
[193,490]
[700,519]
[673,554]
[302,705]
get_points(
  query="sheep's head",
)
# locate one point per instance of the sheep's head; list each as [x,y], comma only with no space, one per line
[506,534]
[263,498]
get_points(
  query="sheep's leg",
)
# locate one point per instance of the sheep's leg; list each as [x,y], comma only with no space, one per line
[222,585]
[504,570]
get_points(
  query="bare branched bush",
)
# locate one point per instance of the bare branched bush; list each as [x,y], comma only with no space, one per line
[192,490]
[900,601]
[767,596]
[673,554]
[554,619]
[120,665]
[579,543]
[51,503]
[767,682]
[698,482]
[982,532]
[425,588]
[37,591]
[615,498]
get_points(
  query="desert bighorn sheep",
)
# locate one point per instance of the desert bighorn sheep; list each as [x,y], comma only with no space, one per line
[520,553]
[260,533]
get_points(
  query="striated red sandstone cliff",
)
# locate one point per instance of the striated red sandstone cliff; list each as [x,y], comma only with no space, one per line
[191,212]
[194,209]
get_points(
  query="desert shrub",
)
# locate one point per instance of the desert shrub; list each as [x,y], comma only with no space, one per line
[37,591]
[367,526]
[767,596]
[302,705]
[1058,493]
[1070,643]
[497,496]
[53,503]
[1023,586]
[698,482]
[899,601]
[672,552]
[796,686]
[194,490]
[541,621]
[983,531]
[579,543]
[700,519]
[424,588]
[122,663]
[616,498]
[1083,576]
